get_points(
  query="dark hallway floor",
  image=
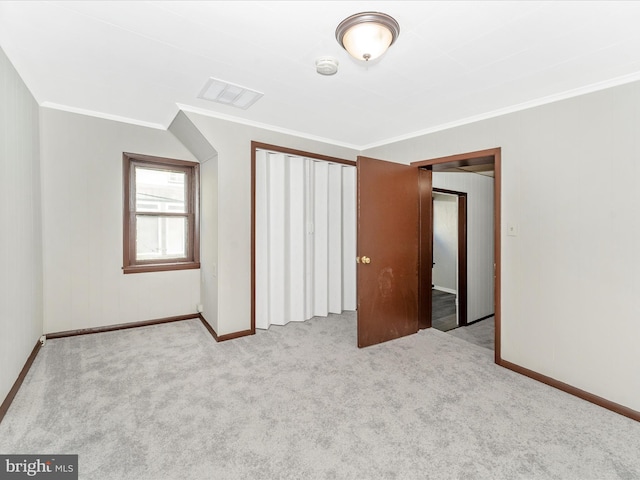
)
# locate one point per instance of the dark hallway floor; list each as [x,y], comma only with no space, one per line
[443,311]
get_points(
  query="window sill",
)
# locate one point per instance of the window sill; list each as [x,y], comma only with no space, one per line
[160,267]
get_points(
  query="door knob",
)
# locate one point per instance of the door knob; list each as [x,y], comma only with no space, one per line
[365,259]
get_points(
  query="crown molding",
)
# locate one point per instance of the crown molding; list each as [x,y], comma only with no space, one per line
[104,116]
[264,126]
[568,94]
[576,92]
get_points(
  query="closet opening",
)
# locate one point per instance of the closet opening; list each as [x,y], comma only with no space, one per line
[303,236]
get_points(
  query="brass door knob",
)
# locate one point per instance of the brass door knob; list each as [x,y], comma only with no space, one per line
[365,259]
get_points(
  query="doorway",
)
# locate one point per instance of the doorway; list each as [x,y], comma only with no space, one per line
[449,272]
[485,162]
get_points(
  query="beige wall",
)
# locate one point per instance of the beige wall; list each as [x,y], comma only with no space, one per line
[84,285]
[232,141]
[570,278]
[209,240]
[20,226]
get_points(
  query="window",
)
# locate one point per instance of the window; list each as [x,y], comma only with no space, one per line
[161,222]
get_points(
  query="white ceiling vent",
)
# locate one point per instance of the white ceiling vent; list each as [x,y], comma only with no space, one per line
[227,93]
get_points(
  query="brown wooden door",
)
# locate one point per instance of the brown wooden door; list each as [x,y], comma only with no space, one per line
[388,236]
[425,301]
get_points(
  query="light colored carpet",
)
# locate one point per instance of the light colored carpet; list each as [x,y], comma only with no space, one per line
[481,333]
[302,402]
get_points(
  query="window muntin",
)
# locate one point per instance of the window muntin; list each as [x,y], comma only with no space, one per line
[161,230]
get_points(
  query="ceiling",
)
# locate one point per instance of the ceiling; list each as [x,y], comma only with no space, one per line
[486,169]
[454,62]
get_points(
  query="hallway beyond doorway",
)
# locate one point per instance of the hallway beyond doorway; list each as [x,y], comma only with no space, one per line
[443,316]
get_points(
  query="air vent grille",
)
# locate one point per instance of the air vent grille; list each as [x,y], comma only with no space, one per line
[216,90]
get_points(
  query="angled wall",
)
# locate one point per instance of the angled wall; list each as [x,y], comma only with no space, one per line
[189,135]
[232,141]
[20,225]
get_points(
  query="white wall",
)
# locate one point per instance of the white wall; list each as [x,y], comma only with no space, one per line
[232,141]
[479,190]
[84,285]
[187,133]
[209,240]
[570,278]
[445,242]
[20,226]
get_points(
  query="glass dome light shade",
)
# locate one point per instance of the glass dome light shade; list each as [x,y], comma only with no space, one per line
[366,36]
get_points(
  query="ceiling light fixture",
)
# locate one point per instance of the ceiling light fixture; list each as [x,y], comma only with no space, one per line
[367,35]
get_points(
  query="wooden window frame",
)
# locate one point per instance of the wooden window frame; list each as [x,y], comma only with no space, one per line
[192,171]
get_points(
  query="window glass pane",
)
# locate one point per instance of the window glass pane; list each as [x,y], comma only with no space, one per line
[160,237]
[146,206]
[175,229]
[160,190]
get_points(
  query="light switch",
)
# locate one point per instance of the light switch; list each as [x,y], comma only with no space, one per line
[512,230]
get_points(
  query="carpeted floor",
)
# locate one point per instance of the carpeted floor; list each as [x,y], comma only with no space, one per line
[302,402]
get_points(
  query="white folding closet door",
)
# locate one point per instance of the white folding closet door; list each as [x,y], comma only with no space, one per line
[349,236]
[309,238]
[262,241]
[277,241]
[334,237]
[305,238]
[321,239]
[296,232]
